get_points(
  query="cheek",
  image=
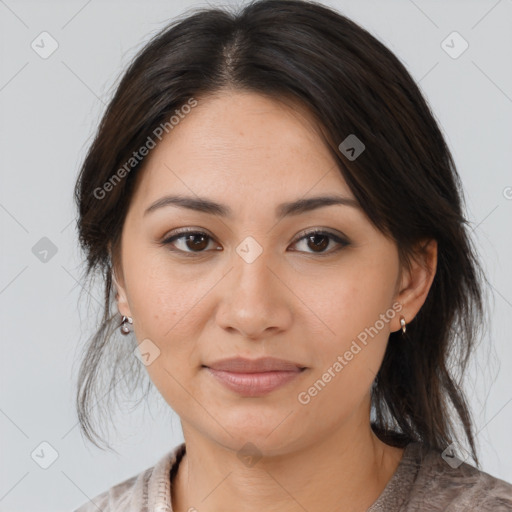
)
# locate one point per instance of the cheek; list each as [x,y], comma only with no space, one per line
[353,298]
[351,350]
[158,293]
[347,364]
[171,306]
[165,309]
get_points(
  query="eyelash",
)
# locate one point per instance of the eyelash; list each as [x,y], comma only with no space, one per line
[181,234]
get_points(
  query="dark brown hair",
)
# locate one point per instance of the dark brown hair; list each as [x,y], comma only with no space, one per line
[405,181]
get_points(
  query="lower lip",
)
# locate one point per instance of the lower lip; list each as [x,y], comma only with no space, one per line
[254,384]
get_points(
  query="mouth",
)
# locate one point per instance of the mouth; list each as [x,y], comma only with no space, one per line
[254,377]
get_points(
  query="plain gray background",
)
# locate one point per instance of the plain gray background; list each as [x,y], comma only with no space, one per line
[50,109]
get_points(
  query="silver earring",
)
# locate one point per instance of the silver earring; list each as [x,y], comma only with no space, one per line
[125,325]
[402,323]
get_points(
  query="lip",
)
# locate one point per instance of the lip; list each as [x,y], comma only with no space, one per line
[254,377]
[263,364]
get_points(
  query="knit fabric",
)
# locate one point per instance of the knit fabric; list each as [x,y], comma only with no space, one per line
[423,481]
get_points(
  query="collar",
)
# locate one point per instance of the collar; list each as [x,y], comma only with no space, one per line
[156,488]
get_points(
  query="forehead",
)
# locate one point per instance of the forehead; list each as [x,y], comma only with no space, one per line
[241,144]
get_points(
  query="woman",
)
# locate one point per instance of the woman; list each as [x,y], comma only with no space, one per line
[280,225]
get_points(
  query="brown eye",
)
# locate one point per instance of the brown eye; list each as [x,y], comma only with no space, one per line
[196,242]
[317,241]
[189,241]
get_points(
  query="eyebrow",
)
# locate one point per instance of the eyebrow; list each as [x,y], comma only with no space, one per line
[205,205]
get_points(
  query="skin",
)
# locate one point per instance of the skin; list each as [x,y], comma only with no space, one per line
[252,153]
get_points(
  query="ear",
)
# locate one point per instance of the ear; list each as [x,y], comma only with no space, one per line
[121,295]
[415,281]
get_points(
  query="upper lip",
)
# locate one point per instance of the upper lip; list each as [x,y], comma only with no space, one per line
[264,364]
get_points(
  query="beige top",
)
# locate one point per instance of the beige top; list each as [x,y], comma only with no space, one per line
[423,481]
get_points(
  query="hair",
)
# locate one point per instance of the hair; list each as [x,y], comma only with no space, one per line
[405,181]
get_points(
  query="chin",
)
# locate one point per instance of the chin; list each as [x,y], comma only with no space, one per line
[271,435]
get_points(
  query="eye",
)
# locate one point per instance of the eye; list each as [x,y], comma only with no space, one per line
[319,240]
[196,242]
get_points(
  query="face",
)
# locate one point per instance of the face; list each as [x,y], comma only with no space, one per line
[255,283]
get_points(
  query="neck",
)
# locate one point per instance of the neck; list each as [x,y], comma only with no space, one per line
[347,471]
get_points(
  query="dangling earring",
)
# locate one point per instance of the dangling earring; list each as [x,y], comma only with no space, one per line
[125,325]
[402,323]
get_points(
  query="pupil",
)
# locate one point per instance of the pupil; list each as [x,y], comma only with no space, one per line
[319,245]
[196,245]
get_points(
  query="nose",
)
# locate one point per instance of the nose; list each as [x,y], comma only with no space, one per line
[255,301]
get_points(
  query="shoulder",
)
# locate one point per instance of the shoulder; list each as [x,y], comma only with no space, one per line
[119,497]
[447,483]
[140,491]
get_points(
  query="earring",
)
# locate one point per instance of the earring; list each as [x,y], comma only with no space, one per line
[125,325]
[402,323]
